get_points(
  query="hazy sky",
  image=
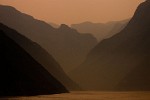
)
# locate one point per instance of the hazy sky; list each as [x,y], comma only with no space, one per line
[76,11]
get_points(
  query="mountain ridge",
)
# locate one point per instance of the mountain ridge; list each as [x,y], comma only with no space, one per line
[41,56]
[68,47]
[110,64]
[21,75]
[101,30]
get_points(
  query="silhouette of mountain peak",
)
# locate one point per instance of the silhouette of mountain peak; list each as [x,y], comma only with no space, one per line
[10,9]
[7,7]
[147,2]
[64,26]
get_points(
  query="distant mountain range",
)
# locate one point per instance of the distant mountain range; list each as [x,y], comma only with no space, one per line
[101,30]
[121,62]
[41,56]
[66,45]
[20,74]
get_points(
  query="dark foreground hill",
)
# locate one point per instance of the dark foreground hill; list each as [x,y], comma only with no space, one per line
[65,44]
[20,74]
[121,62]
[41,56]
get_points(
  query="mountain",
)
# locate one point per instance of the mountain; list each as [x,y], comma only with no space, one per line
[65,44]
[101,30]
[54,25]
[21,75]
[41,56]
[121,62]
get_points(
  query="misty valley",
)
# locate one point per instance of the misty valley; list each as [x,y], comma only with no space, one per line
[42,60]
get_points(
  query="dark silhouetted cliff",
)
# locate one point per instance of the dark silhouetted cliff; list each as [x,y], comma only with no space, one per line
[21,75]
[41,56]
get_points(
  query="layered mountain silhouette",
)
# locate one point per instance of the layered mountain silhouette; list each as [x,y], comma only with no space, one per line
[101,30]
[41,56]
[65,44]
[54,25]
[20,74]
[121,62]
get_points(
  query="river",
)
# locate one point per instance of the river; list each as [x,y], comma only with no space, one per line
[88,95]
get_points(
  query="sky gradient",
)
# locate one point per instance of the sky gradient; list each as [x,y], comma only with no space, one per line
[76,11]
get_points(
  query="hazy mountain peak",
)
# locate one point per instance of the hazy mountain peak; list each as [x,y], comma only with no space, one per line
[101,30]
[10,9]
[64,26]
[14,13]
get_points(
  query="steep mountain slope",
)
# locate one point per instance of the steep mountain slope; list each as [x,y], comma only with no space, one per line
[137,80]
[54,25]
[41,56]
[101,30]
[66,45]
[114,62]
[20,74]
[139,77]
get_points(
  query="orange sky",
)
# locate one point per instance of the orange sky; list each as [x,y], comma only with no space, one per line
[76,11]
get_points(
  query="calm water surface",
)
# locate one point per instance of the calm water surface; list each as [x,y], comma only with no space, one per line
[89,96]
